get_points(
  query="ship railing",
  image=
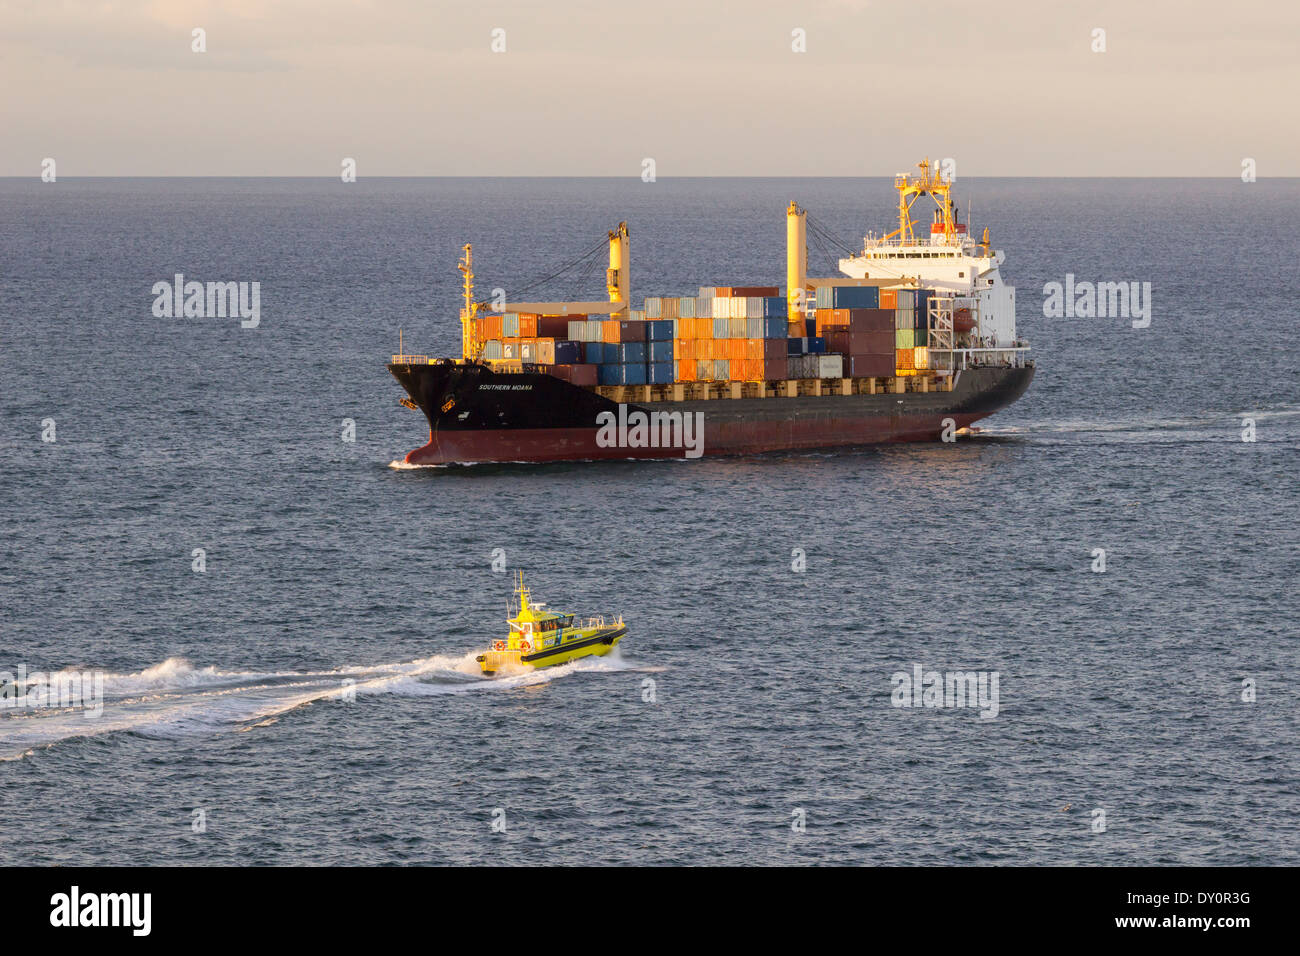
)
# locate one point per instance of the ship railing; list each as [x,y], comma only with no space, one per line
[410,360]
[1013,356]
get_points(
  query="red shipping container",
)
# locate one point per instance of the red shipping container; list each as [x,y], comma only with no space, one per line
[860,343]
[555,326]
[869,366]
[631,330]
[576,374]
[774,369]
[744,291]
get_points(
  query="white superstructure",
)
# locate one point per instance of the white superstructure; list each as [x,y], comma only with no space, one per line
[939,254]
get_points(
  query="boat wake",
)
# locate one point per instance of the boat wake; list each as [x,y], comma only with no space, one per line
[175,699]
[1218,428]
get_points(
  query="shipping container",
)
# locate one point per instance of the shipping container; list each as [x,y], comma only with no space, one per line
[527,325]
[568,353]
[921,357]
[861,343]
[830,366]
[659,330]
[659,373]
[904,358]
[905,339]
[922,337]
[744,291]
[492,349]
[556,326]
[510,325]
[775,369]
[888,298]
[659,351]
[631,330]
[577,374]
[632,353]
[869,366]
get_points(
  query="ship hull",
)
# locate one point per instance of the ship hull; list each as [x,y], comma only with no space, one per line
[477,415]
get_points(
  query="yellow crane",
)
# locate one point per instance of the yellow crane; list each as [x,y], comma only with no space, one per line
[617,281]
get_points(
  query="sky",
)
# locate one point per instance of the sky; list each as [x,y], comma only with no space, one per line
[415,88]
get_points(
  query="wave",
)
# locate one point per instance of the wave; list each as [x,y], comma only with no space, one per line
[175,699]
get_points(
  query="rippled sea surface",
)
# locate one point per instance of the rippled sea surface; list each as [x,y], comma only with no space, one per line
[747,696]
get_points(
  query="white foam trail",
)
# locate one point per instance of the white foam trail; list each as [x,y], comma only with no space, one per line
[175,698]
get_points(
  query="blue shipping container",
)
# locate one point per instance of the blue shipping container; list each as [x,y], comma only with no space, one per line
[609,374]
[630,353]
[796,346]
[855,297]
[660,373]
[816,345]
[593,353]
[660,352]
[659,330]
[632,374]
[775,307]
[568,353]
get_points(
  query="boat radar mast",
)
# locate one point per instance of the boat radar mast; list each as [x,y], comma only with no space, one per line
[931,182]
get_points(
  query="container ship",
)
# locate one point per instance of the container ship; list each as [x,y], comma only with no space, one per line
[914,341]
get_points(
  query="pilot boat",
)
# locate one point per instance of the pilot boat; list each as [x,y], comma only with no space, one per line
[539,637]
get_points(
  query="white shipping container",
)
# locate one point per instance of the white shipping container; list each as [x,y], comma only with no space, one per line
[830,366]
[721,308]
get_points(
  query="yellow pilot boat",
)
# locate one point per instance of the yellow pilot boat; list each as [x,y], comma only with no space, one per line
[541,638]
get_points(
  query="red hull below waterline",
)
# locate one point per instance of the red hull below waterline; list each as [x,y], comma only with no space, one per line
[741,438]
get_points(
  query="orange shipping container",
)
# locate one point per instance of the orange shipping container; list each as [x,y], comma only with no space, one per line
[904,359]
[889,298]
[527,325]
[684,350]
[609,330]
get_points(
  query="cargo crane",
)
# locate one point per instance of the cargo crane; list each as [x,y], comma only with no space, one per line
[617,282]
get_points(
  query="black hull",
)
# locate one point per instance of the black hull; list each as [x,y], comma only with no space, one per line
[477,415]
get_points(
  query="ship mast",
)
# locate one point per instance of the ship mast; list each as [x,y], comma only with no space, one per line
[469,344]
[912,188]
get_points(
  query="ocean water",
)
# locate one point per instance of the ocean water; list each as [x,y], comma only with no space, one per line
[748,696]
